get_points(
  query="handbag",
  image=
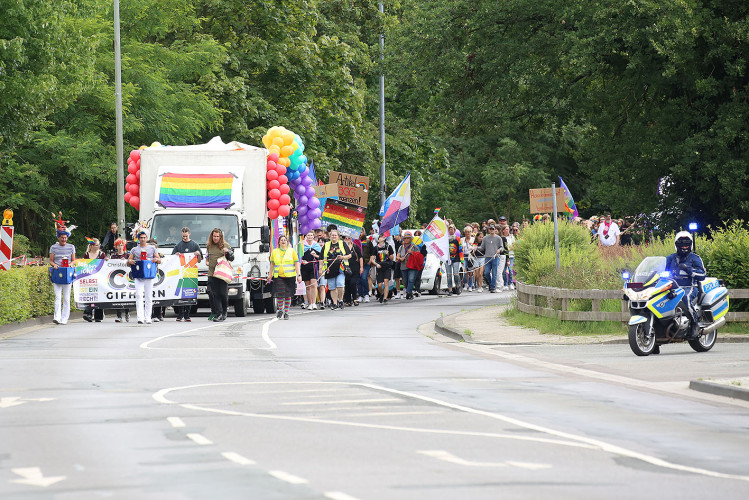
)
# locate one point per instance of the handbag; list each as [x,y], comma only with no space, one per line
[415,261]
[223,270]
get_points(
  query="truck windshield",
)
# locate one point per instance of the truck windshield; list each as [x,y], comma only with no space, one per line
[167,228]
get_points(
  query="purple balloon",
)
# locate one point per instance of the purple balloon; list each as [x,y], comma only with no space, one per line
[306,181]
[313,203]
[314,213]
[310,193]
[293,183]
[300,191]
[302,210]
[303,200]
[303,220]
[315,224]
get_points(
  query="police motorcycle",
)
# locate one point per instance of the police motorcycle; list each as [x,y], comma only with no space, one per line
[659,314]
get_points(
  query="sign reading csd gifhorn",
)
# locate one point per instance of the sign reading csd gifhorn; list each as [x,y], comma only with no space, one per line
[353,189]
[541,201]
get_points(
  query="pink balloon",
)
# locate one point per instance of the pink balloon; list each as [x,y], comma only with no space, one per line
[131,179]
[137,175]
[283,179]
[127,197]
[271,175]
[271,165]
[285,199]
[137,163]
[274,184]
[273,204]
[284,210]
[273,214]
[134,190]
[273,157]
[281,169]
[274,194]
[135,202]
[135,154]
[131,168]
[284,188]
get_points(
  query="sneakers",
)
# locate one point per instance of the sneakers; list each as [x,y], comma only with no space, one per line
[384,301]
[469,289]
[356,302]
[55,322]
[211,317]
[140,322]
[366,298]
[312,307]
[381,300]
[127,316]
[340,304]
[418,294]
[179,319]
[493,291]
[188,320]
[512,286]
[304,306]
[409,296]
[333,307]
[148,321]
[118,320]
[321,306]
[88,318]
[449,292]
[285,315]
[479,290]
[279,314]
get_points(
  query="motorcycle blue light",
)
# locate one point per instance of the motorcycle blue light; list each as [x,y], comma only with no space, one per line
[693,226]
[625,275]
[665,274]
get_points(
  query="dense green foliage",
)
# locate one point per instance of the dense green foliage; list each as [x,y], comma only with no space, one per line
[25,293]
[485,99]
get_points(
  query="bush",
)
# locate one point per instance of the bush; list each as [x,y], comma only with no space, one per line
[534,249]
[25,292]
[726,255]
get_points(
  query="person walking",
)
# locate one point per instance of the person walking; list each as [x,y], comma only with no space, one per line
[493,250]
[61,254]
[189,248]
[157,311]
[382,260]
[91,313]
[469,247]
[286,274]
[335,260]
[456,261]
[120,254]
[309,265]
[351,289]
[508,240]
[107,244]
[365,285]
[216,248]
[409,275]
[478,255]
[143,287]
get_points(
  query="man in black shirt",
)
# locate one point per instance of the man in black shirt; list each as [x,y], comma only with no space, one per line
[186,246]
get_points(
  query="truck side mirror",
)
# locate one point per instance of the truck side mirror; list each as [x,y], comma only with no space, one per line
[244,230]
[264,234]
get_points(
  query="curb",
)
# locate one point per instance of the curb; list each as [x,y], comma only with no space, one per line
[730,391]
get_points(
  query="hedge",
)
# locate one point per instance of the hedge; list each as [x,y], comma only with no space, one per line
[25,292]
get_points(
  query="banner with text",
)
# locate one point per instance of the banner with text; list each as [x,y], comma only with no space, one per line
[352,189]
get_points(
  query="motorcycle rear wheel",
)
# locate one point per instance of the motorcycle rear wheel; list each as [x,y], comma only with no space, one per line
[639,342]
[705,342]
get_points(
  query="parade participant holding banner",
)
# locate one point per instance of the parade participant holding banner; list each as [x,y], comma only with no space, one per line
[143,275]
[286,274]
[61,255]
[186,246]
[217,250]
[93,252]
[120,254]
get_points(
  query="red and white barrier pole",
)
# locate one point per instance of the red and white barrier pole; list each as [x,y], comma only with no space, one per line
[6,240]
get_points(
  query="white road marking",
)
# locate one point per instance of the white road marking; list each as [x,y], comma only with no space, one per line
[340,401]
[337,495]
[33,477]
[147,344]
[237,458]
[266,337]
[199,439]
[566,439]
[175,421]
[289,478]
[17,401]
[389,413]
[449,457]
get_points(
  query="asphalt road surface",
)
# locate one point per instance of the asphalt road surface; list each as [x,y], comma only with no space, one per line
[366,403]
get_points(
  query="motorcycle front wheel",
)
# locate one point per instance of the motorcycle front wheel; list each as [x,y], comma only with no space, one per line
[640,342]
[705,342]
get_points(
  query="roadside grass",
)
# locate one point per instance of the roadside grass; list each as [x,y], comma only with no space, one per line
[559,327]
[736,328]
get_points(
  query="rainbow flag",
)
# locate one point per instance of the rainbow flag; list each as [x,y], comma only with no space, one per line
[348,218]
[396,207]
[195,190]
[569,202]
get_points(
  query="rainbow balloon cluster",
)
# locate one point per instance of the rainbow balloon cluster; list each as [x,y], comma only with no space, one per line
[287,169]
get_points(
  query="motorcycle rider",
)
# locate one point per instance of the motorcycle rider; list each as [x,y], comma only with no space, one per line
[688,270]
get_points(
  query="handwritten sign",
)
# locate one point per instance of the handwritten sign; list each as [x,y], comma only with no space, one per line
[541,201]
[353,189]
[327,191]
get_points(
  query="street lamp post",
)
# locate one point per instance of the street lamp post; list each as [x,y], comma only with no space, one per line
[118,120]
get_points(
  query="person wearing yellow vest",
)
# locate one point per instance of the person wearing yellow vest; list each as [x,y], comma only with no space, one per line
[335,256]
[286,274]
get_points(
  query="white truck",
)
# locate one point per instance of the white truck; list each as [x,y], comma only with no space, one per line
[207,186]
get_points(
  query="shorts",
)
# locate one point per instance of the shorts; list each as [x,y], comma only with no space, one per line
[336,282]
[309,272]
[384,273]
[397,272]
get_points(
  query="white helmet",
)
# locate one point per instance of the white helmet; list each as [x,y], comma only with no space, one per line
[683,243]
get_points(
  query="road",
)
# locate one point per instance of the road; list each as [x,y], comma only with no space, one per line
[366,403]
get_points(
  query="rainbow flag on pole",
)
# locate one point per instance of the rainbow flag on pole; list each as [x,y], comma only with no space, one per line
[569,202]
[196,190]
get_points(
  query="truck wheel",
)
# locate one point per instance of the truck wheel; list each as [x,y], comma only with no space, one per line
[239,309]
[258,306]
[270,305]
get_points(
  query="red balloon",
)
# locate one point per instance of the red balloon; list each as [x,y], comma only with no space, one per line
[135,154]
[273,204]
[127,197]
[137,163]
[274,184]
[134,189]
[283,179]
[273,214]
[271,175]
[131,179]
[135,202]
[281,169]
[285,199]
[274,194]
[131,168]
[284,188]
[271,165]
[137,175]
[273,157]
[283,210]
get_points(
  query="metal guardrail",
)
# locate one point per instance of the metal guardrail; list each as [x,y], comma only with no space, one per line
[554,303]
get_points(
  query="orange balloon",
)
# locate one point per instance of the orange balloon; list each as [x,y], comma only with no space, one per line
[286,151]
[267,141]
[288,137]
[274,149]
[275,132]
[284,161]
[278,141]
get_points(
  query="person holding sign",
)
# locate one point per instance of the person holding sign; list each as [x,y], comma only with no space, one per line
[143,286]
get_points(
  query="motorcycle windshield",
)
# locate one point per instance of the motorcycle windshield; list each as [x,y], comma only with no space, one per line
[648,268]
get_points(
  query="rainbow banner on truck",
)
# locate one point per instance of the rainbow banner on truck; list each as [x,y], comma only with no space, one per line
[184,190]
